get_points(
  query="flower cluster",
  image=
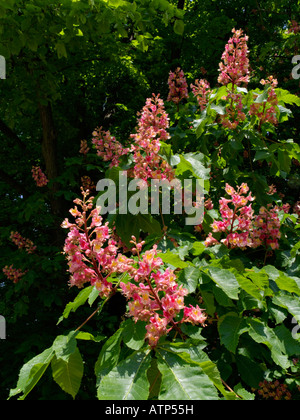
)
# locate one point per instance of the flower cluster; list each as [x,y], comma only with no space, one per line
[236,220]
[91,253]
[108,148]
[156,298]
[177,86]
[153,294]
[14,274]
[21,242]
[294,27]
[84,149]
[266,111]
[241,226]
[235,66]
[273,390]
[87,183]
[201,90]
[266,228]
[39,177]
[152,128]
[234,114]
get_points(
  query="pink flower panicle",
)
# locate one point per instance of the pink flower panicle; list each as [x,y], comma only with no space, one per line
[21,242]
[266,112]
[84,149]
[178,89]
[39,177]
[157,298]
[241,227]
[201,90]
[234,114]
[294,27]
[235,66]
[13,274]
[266,228]
[91,252]
[108,148]
[152,128]
[153,294]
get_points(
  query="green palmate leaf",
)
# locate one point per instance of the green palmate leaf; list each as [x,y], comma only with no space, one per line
[262,334]
[127,380]
[249,287]
[226,280]
[64,345]
[109,355]
[31,373]
[282,280]
[291,303]
[172,259]
[191,352]
[68,373]
[230,327]
[182,380]
[189,278]
[134,333]
[80,300]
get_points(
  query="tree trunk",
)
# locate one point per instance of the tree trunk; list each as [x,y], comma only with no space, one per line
[49,143]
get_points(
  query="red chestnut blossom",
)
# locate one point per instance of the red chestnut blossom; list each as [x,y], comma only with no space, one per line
[266,111]
[39,177]
[157,299]
[177,86]
[13,274]
[84,149]
[235,66]
[21,242]
[294,27]
[154,295]
[201,90]
[241,227]
[108,147]
[152,128]
[266,228]
[91,253]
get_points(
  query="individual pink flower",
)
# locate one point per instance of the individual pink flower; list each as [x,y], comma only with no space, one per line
[178,89]
[39,177]
[195,315]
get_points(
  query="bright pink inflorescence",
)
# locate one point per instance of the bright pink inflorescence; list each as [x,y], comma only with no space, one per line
[153,294]
[266,111]
[152,128]
[201,90]
[178,89]
[84,148]
[235,66]
[39,177]
[21,242]
[108,147]
[14,274]
[239,224]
